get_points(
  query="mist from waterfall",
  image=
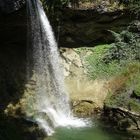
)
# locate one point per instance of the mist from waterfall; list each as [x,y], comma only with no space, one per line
[51,99]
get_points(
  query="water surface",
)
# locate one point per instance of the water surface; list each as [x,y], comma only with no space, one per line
[96,132]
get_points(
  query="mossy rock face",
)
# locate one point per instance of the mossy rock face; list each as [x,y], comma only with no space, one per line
[123,111]
[122,105]
[84,108]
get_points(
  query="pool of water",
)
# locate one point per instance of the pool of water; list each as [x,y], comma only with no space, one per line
[96,132]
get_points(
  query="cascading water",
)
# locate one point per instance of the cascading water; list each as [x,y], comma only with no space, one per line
[51,100]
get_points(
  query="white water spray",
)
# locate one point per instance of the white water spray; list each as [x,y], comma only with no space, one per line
[51,100]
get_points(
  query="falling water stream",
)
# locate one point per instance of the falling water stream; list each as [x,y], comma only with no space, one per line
[51,99]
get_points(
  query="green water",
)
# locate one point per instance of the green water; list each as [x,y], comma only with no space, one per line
[95,132]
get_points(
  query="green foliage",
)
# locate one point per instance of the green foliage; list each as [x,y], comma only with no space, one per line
[126,47]
[134,105]
[126,96]
[118,100]
[97,68]
[114,59]
[51,5]
[134,3]
[137,90]
[134,6]
[123,98]
[136,83]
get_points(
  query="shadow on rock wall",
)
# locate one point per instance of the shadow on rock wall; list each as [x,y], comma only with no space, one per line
[89,27]
[13,46]
[12,56]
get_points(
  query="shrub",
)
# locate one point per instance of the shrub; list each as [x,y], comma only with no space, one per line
[111,60]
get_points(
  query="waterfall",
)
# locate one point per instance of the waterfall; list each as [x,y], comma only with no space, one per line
[51,102]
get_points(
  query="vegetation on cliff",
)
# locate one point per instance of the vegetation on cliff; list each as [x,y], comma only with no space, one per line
[92,4]
[108,60]
[119,63]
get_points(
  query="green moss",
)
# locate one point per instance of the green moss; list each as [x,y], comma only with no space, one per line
[137,90]
[122,97]
[134,105]
[108,100]
[123,100]
[117,100]
[84,109]
[137,87]
[99,50]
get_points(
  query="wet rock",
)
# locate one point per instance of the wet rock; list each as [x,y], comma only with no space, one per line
[122,118]
[19,128]
[83,108]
